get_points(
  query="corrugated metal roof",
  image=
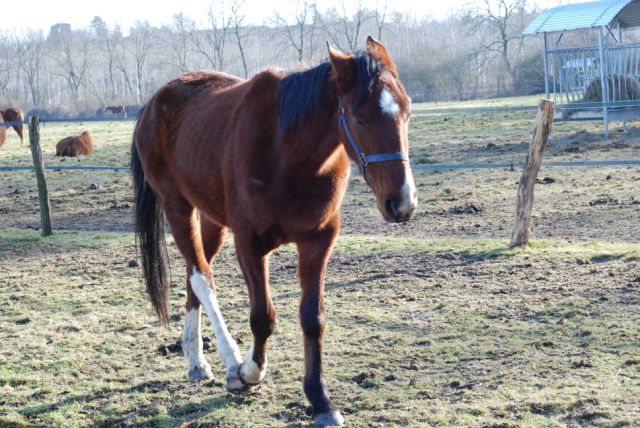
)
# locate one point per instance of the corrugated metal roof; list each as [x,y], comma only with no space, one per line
[586,15]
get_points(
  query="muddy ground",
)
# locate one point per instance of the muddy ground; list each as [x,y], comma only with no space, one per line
[431,323]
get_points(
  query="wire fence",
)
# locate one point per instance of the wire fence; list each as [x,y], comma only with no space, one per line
[420,167]
[416,167]
[445,111]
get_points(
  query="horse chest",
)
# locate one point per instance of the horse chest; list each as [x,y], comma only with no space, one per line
[312,204]
[291,207]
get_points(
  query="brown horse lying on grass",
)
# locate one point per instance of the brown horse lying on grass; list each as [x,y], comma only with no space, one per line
[14,115]
[75,146]
[267,158]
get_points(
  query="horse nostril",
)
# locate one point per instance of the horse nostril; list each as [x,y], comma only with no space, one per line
[392,207]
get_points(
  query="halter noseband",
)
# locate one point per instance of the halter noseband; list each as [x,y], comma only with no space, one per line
[363,159]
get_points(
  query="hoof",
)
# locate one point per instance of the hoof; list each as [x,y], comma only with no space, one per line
[197,374]
[236,384]
[329,419]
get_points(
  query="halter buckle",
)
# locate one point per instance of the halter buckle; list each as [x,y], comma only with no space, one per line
[362,160]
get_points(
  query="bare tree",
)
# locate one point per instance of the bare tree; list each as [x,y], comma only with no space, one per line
[352,29]
[381,16]
[340,23]
[71,58]
[7,53]
[110,42]
[120,56]
[211,41]
[177,39]
[500,16]
[473,51]
[31,50]
[300,34]
[141,35]
[240,32]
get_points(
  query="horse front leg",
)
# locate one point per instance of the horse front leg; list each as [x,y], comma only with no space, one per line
[252,253]
[313,254]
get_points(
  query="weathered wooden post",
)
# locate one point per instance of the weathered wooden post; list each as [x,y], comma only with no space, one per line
[38,164]
[3,131]
[544,120]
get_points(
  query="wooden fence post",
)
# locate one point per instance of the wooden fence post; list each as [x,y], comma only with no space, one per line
[38,164]
[544,120]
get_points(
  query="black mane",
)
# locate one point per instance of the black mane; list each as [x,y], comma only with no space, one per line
[303,93]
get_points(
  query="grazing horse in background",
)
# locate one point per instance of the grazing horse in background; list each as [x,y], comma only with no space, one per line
[118,111]
[75,146]
[267,158]
[15,115]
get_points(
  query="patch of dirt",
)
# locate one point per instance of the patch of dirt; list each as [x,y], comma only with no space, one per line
[466,209]
[546,180]
[604,201]
[176,347]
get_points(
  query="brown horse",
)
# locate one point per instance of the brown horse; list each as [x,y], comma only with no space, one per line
[267,158]
[75,146]
[15,115]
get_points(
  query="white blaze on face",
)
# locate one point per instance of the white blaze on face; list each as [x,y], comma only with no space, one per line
[408,193]
[227,347]
[388,103]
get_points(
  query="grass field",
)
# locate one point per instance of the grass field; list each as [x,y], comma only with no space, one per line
[432,323]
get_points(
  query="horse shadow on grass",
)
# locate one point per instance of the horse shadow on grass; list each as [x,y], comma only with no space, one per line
[179,415]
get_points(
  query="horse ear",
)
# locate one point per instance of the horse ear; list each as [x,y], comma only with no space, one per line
[343,68]
[379,52]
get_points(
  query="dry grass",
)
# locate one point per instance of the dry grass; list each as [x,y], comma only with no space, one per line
[433,323]
[453,334]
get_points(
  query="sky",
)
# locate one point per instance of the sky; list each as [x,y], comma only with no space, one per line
[44,13]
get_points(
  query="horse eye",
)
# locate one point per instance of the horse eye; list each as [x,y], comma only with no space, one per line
[362,123]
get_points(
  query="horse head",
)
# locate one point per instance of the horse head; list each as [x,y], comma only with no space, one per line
[373,116]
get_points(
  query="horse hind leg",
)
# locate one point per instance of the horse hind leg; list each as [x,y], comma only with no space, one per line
[198,368]
[20,130]
[186,231]
[192,347]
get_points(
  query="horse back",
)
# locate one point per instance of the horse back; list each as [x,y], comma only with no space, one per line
[62,146]
[172,108]
[13,115]
[183,131]
[214,140]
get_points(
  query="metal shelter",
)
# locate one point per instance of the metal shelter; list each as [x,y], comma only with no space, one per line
[592,82]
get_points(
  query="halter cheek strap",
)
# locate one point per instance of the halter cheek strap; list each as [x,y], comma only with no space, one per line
[363,159]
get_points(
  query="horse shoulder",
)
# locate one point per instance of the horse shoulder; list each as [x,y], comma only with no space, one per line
[87,143]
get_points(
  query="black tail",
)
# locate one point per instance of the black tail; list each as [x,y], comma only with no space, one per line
[150,238]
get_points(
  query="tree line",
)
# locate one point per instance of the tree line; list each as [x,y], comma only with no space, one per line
[477,51]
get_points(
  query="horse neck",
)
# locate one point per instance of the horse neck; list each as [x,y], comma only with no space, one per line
[317,138]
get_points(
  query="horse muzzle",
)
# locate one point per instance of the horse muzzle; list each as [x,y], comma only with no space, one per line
[399,211]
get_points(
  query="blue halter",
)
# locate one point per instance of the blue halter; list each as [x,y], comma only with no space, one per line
[364,160]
